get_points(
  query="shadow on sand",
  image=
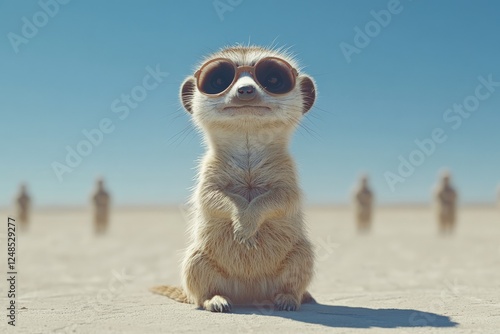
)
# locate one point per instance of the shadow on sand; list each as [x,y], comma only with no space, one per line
[354,317]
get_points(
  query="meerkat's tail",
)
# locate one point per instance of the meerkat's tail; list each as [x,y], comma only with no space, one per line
[171,292]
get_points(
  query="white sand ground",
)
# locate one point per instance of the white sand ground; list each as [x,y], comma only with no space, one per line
[402,278]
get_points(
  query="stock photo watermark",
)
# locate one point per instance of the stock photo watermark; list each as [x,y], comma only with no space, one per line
[105,296]
[31,26]
[115,285]
[453,117]
[11,272]
[326,248]
[364,35]
[448,294]
[223,6]
[122,107]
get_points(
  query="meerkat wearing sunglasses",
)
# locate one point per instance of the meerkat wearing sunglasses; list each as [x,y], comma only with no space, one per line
[249,243]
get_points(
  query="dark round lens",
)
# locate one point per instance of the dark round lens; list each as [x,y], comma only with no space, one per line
[274,76]
[216,77]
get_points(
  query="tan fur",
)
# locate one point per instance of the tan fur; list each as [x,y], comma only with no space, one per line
[172,292]
[248,241]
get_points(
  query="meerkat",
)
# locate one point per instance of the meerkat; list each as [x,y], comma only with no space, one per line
[363,203]
[498,196]
[23,203]
[446,204]
[248,239]
[101,201]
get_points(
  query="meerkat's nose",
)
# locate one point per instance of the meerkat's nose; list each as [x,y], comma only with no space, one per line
[246,92]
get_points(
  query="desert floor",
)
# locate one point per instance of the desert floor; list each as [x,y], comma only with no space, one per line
[401,278]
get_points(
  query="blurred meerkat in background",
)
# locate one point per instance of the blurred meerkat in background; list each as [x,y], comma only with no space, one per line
[446,204]
[497,200]
[23,205]
[363,205]
[101,202]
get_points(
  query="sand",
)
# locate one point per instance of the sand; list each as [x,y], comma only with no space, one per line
[401,278]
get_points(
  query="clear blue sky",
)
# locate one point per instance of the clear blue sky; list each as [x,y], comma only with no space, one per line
[66,76]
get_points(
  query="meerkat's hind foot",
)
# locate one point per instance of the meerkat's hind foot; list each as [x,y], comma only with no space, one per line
[307,298]
[286,302]
[218,304]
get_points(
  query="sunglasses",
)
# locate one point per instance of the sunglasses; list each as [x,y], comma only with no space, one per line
[274,75]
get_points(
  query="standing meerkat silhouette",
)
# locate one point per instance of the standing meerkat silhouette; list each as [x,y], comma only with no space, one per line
[498,197]
[446,204]
[23,203]
[101,201]
[363,204]
[248,239]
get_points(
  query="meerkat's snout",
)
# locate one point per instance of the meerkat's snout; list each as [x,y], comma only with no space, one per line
[246,92]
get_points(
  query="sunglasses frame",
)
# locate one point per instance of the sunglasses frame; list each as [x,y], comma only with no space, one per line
[246,68]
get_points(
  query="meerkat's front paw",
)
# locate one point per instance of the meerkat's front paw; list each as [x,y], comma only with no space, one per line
[217,304]
[246,235]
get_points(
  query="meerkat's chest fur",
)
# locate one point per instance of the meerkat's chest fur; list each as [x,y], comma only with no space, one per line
[248,168]
[250,164]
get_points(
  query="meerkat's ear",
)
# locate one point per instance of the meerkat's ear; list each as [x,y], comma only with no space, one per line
[187,92]
[308,90]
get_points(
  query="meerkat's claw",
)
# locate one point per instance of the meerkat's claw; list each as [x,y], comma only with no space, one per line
[217,304]
[242,235]
[251,243]
[286,302]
